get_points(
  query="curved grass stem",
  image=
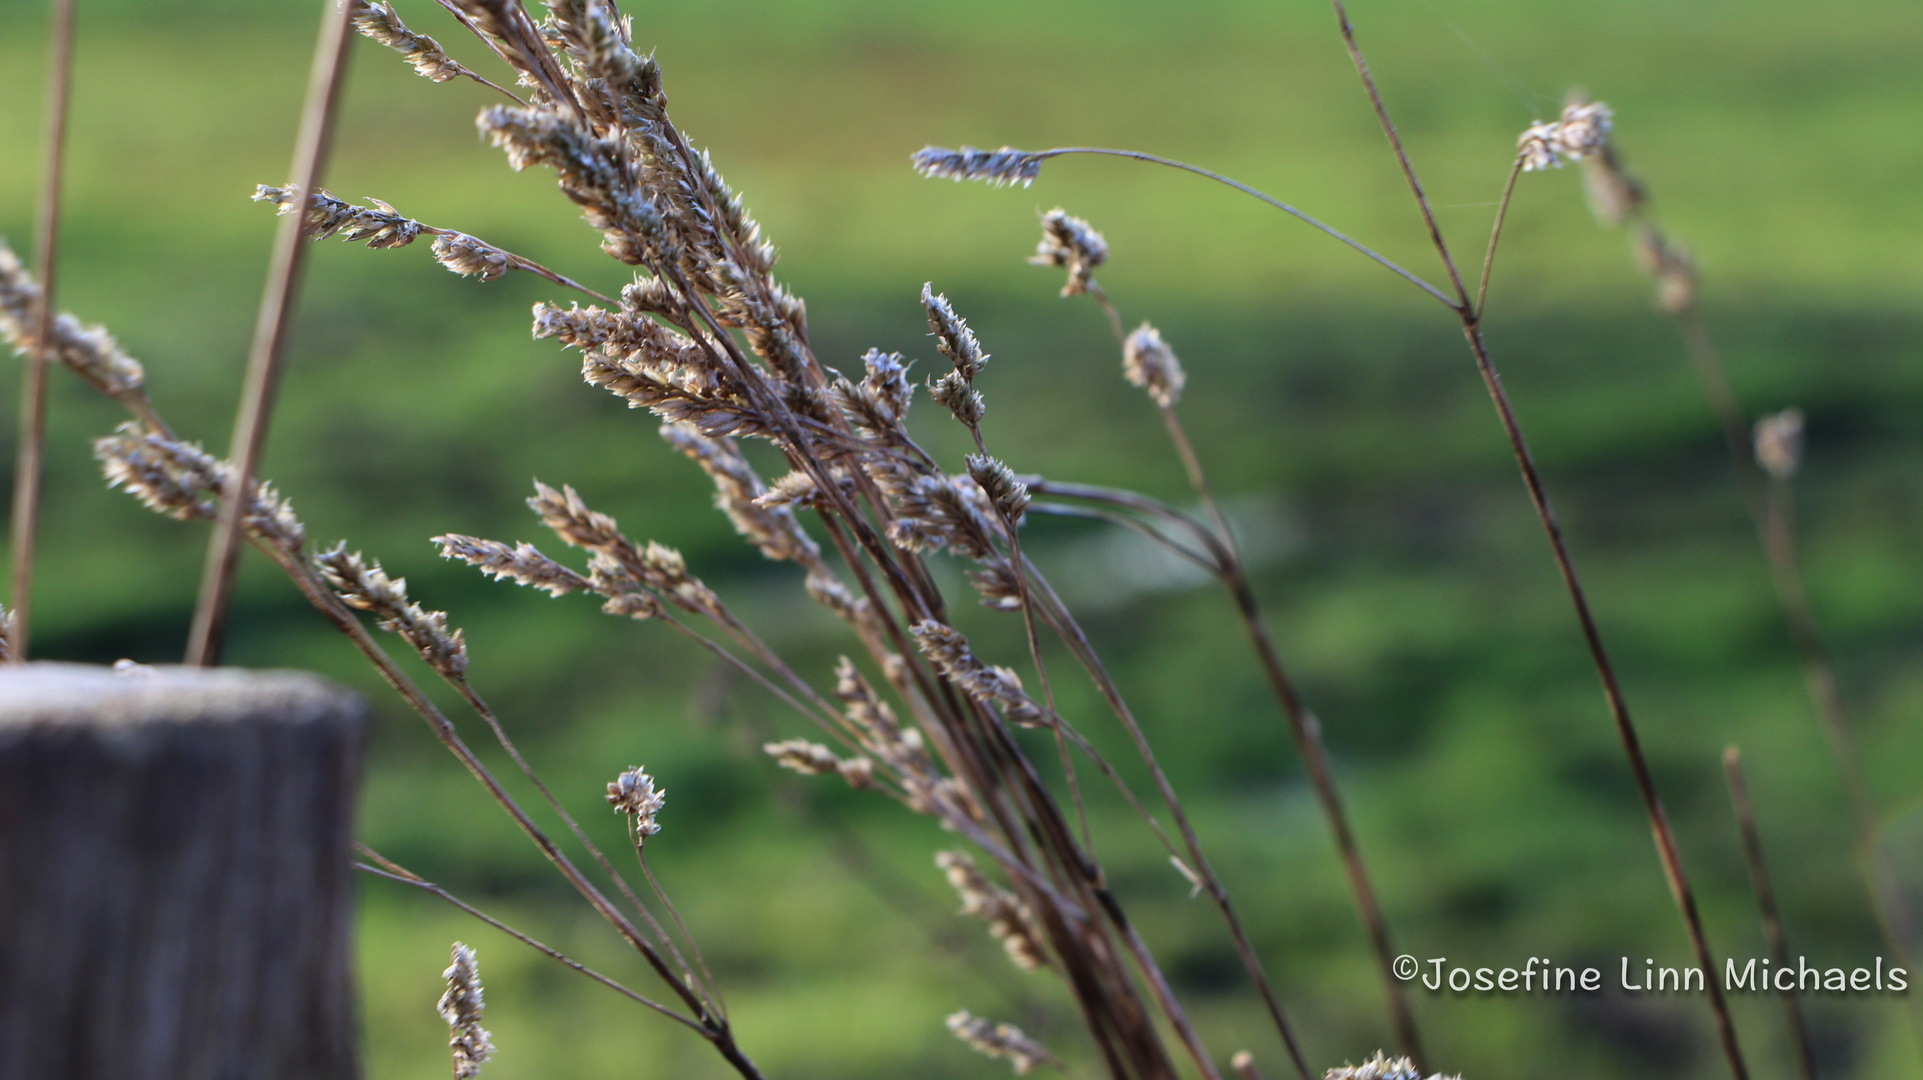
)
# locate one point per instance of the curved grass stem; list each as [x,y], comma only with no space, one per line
[1299,215]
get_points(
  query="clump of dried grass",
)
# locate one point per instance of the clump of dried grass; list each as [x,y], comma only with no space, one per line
[710,342]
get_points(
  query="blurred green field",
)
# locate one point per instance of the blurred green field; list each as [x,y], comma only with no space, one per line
[1336,407]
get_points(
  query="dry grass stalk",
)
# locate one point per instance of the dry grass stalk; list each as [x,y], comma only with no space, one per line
[1766,906]
[270,330]
[1767,457]
[1470,313]
[385,868]
[382,226]
[1148,362]
[28,467]
[1005,1041]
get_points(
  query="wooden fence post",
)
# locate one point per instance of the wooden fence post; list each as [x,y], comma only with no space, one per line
[175,893]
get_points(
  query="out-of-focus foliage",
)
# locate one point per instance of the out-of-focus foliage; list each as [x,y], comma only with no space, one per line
[1335,406]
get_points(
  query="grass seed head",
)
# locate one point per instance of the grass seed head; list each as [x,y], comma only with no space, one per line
[633,793]
[999,168]
[1779,443]
[1070,243]
[1150,364]
[461,1006]
[1005,1041]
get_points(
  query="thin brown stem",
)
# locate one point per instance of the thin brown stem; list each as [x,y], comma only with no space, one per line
[1766,906]
[1495,234]
[487,715]
[1016,562]
[1779,541]
[1306,731]
[1612,692]
[1303,725]
[1207,563]
[344,620]
[317,593]
[393,871]
[1131,500]
[714,988]
[1378,257]
[1077,640]
[270,332]
[29,467]
[1100,296]
[1461,303]
[1778,530]
[1532,480]
[1771,507]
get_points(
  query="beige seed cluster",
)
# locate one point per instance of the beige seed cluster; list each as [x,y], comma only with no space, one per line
[633,793]
[461,1006]
[1005,1041]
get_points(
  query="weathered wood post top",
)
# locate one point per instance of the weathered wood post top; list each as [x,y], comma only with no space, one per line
[175,894]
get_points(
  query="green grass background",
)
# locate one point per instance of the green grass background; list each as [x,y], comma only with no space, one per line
[1406,577]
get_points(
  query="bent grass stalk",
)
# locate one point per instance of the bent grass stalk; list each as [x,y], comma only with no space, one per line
[392,871]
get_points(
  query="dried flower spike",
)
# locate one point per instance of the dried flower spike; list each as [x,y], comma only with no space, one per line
[1537,147]
[1008,918]
[948,650]
[89,350]
[1381,1068]
[997,167]
[998,482]
[633,793]
[814,759]
[184,482]
[1070,243]
[382,227]
[461,1007]
[804,757]
[952,335]
[1584,129]
[1779,443]
[366,586]
[1150,364]
[1581,131]
[378,20]
[522,563]
[999,1040]
[469,257]
[1672,268]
